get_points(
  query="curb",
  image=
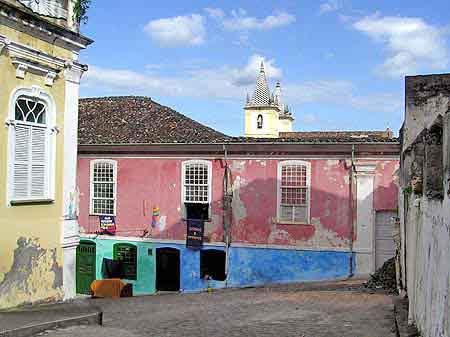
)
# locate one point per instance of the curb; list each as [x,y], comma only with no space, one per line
[401,319]
[31,330]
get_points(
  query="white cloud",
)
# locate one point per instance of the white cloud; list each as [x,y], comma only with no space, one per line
[240,20]
[412,44]
[248,74]
[232,83]
[330,6]
[341,93]
[309,118]
[177,31]
[215,13]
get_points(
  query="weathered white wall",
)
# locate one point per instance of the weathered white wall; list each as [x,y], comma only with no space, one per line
[425,222]
[428,265]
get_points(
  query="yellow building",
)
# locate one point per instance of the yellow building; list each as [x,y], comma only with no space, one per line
[39,81]
[265,114]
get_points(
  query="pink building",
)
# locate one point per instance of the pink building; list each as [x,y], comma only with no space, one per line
[303,206]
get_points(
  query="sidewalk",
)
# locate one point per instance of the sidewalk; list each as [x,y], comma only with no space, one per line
[28,321]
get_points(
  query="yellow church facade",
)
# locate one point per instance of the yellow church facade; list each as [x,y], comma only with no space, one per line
[39,81]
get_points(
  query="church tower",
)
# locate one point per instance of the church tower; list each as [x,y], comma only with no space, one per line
[265,114]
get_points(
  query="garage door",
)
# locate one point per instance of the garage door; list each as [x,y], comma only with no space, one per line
[384,242]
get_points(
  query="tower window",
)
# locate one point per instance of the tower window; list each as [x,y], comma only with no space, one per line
[260,121]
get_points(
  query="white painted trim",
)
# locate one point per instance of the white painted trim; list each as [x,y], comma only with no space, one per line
[91,184]
[308,185]
[149,240]
[183,171]
[22,66]
[45,98]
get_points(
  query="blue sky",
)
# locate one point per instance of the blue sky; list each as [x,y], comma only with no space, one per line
[341,63]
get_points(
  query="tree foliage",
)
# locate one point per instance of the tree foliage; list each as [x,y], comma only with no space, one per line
[80,10]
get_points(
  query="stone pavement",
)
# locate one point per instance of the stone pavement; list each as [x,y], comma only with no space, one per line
[281,311]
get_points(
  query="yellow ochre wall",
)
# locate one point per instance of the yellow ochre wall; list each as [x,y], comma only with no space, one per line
[270,122]
[30,235]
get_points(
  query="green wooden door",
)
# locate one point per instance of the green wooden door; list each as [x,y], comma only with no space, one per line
[85,267]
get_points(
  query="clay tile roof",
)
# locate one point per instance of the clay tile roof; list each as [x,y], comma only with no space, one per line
[320,137]
[138,120]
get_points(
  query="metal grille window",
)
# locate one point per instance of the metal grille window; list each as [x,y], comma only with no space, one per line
[127,254]
[103,187]
[196,182]
[31,140]
[294,192]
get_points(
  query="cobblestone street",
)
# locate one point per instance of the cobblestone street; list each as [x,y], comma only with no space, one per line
[282,311]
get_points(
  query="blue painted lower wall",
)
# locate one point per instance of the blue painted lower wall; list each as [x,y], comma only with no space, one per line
[190,280]
[247,266]
[258,266]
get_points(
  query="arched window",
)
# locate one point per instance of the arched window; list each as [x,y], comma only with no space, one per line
[294,191]
[259,122]
[103,191]
[31,164]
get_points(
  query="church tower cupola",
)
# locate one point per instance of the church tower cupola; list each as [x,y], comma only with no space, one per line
[265,113]
[261,95]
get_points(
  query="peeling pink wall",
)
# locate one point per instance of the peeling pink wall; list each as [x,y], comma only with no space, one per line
[386,191]
[143,184]
[147,183]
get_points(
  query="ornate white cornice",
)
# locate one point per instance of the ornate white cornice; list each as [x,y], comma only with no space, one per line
[16,49]
[23,66]
[73,71]
[26,59]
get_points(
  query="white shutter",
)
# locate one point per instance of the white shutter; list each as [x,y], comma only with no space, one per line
[21,161]
[38,162]
[29,162]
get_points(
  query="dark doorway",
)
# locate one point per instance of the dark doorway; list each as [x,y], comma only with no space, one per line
[167,269]
[212,264]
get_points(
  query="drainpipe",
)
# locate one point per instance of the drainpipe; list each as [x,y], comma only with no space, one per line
[352,211]
[227,198]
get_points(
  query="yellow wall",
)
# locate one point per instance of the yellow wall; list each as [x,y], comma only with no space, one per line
[40,255]
[285,125]
[270,122]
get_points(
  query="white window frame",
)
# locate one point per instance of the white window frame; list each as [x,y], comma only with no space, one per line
[91,185]
[183,180]
[308,194]
[36,93]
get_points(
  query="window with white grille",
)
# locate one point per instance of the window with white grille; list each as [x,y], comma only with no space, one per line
[30,167]
[293,192]
[197,182]
[103,187]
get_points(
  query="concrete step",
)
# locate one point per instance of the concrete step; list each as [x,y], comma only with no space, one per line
[30,321]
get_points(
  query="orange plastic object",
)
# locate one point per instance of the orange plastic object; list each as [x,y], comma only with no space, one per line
[107,288]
